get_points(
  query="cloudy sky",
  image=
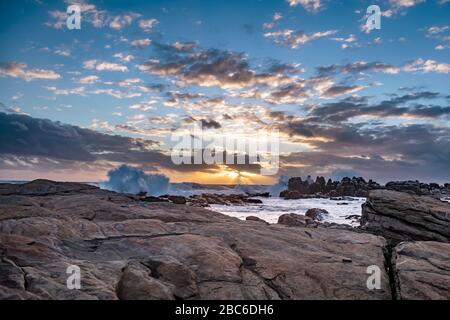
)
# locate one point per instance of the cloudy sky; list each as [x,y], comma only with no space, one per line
[345,100]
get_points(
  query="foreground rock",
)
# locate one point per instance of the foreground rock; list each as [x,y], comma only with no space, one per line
[400,216]
[132,249]
[422,270]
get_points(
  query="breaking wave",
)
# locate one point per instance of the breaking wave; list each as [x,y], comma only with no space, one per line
[128,179]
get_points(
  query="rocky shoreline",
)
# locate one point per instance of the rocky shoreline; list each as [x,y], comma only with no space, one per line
[130,247]
[356,187]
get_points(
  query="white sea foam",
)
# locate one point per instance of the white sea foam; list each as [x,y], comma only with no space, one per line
[272,208]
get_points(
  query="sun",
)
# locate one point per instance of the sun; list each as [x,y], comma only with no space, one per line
[234,174]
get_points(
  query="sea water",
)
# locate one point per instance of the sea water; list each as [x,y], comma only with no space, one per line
[271,208]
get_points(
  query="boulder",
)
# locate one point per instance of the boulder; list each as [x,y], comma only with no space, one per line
[253,201]
[401,216]
[256,219]
[294,220]
[316,214]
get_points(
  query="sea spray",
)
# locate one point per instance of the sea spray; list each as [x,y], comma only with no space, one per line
[127,179]
[278,187]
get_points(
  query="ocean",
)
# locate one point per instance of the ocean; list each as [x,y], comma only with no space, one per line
[343,212]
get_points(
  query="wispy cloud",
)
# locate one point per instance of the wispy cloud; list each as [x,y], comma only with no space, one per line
[20,70]
[141,42]
[147,24]
[104,66]
[88,80]
[294,39]
[309,5]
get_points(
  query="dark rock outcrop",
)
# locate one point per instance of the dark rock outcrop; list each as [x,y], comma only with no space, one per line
[353,187]
[400,216]
[177,199]
[207,199]
[419,188]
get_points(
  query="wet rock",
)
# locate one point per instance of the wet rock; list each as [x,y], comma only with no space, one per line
[253,201]
[262,195]
[177,199]
[207,199]
[154,199]
[316,214]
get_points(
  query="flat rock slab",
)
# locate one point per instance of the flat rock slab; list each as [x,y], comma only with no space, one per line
[423,270]
[131,249]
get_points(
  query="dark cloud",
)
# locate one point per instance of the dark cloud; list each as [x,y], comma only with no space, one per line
[283,68]
[214,67]
[210,124]
[41,137]
[46,145]
[69,146]
[348,108]
[336,91]
[384,153]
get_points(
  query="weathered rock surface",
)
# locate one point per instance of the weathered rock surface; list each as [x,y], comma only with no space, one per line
[400,216]
[422,270]
[132,249]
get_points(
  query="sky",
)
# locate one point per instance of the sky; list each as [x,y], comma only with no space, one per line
[344,100]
